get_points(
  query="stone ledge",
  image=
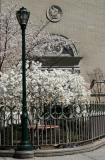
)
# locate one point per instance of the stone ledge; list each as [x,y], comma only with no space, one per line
[59,152]
[69,151]
[7,153]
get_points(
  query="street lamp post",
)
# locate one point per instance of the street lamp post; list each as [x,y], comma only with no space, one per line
[25,148]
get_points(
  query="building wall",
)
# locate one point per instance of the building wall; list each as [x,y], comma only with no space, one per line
[83,21]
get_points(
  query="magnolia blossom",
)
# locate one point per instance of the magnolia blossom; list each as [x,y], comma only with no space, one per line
[44,87]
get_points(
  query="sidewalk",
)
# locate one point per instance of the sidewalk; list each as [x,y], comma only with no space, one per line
[98,154]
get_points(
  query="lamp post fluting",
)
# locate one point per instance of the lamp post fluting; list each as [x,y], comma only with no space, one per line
[25,145]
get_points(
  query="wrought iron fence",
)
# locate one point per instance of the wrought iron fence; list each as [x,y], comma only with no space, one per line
[54,125]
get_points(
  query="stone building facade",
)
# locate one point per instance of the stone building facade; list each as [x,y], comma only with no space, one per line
[83,21]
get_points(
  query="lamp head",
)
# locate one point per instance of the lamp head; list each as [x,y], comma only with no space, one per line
[22,16]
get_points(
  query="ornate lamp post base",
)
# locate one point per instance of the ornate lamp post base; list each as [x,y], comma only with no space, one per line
[24,154]
[24,150]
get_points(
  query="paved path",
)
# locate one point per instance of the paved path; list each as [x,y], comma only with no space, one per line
[98,154]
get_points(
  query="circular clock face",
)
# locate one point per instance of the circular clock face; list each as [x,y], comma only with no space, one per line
[54,13]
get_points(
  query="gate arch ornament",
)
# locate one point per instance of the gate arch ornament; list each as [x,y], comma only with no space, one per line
[57,45]
[63,45]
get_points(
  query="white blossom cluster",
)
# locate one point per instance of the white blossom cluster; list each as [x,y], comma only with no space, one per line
[56,86]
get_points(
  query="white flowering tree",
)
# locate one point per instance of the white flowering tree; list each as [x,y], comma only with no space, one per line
[38,42]
[10,33]
[43,87]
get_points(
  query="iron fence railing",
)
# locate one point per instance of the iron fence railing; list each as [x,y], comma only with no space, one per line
[54,125]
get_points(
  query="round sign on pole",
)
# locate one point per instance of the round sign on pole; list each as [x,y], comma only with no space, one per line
[54,13]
